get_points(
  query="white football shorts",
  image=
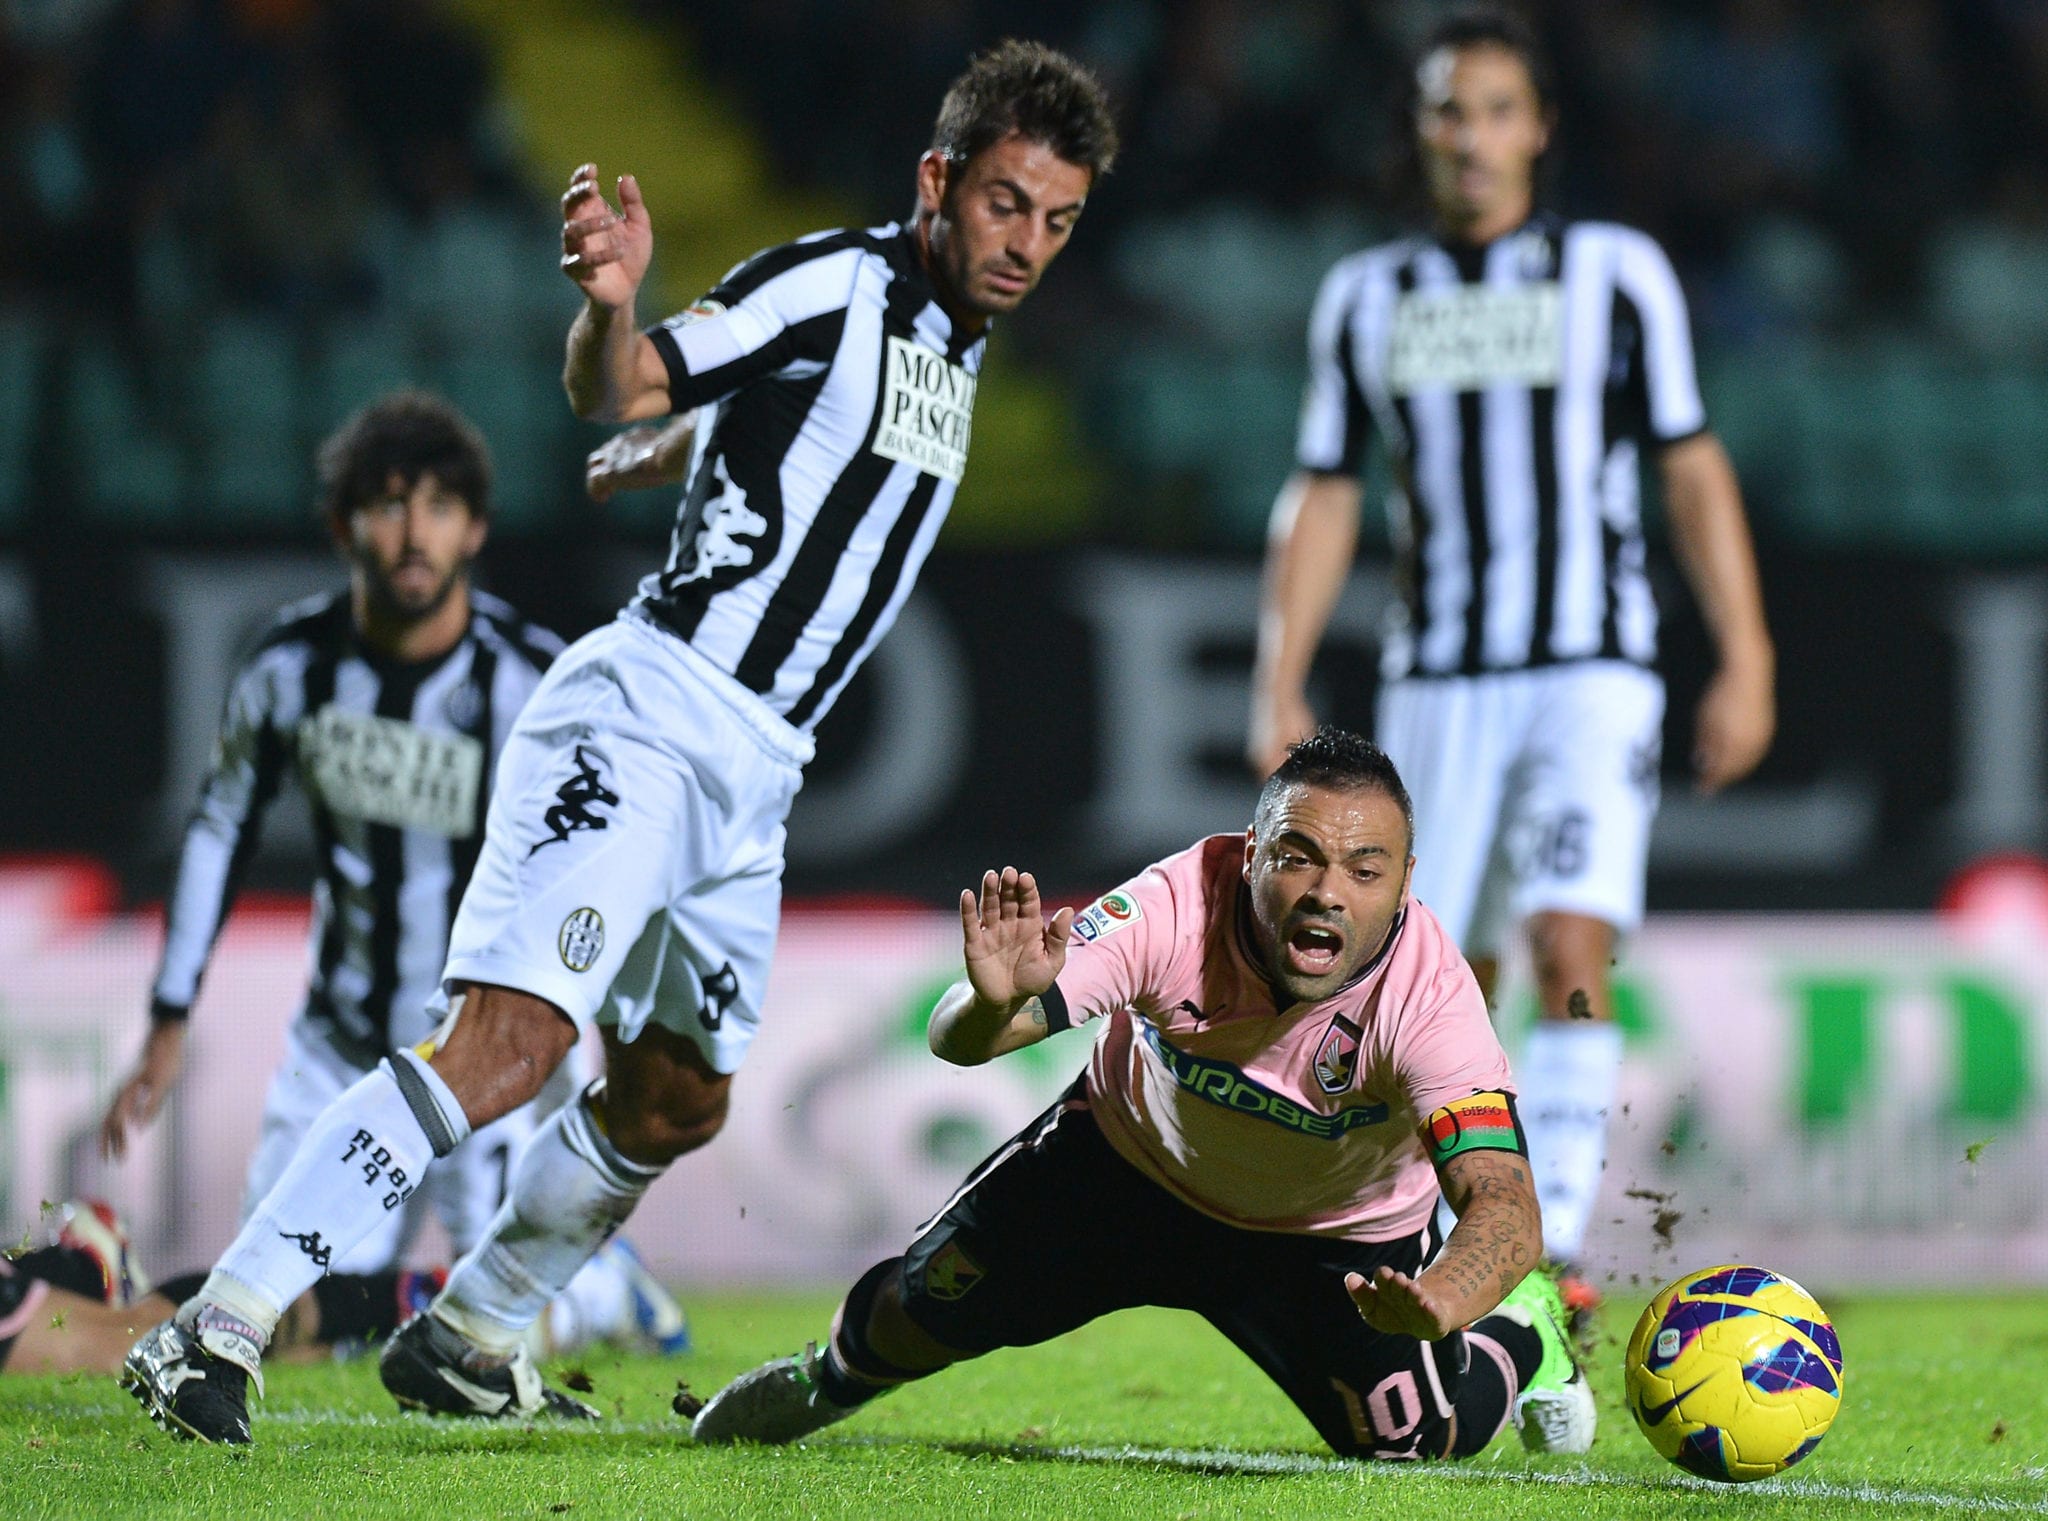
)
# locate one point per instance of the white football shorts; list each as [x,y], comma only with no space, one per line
[462,1190]
[632,860]
[1534,792]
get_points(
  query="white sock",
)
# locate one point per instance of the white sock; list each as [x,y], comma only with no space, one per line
[570,1191]
[1568,1073]
[596,1306]
[362,1158]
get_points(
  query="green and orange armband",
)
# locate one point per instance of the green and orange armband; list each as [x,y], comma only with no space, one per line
[1478,1122]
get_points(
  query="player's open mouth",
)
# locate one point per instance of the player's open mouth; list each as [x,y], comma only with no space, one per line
[1314,949]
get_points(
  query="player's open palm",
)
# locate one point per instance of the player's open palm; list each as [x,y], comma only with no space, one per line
[1012,953]
[1398,1305]
[606,252]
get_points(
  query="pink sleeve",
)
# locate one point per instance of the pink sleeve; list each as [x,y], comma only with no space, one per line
[1121,945]
[1448,1049]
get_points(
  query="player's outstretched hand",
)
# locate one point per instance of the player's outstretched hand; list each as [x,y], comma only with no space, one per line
[141,1097]
[1737,716]
[1398,1305]
[1012,953]
[606,252]
[640,457]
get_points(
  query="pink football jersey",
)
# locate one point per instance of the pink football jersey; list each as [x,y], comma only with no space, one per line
[1269,1115]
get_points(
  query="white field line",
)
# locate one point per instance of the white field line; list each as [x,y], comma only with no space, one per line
[1216,1460]
[1229,1461]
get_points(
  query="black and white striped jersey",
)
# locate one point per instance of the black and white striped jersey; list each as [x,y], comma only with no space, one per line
[1514,386]
[837,403]
[396,761]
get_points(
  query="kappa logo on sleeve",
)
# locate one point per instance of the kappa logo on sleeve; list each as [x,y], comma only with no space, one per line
[1105,916]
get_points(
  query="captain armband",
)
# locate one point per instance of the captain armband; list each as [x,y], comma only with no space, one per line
[1477,1122]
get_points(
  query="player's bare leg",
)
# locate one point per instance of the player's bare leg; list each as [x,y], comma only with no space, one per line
[360,1159]
[577,1181]
[69,1333]
[1568,1079]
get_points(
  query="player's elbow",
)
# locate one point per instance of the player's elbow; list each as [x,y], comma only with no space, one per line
[943,1033]
[947,1046]
[590,404]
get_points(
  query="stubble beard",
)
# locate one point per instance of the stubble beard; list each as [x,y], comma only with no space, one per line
[388,602]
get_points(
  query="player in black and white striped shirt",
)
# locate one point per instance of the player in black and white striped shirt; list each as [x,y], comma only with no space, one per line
[386,704]
[632,862]
[1517,367]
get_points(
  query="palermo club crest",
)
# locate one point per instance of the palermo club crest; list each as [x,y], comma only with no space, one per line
[1337,1056]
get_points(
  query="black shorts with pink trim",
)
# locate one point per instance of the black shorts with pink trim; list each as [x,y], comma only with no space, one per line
[1056,1229]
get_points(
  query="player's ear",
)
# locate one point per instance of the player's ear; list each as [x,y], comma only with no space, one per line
[473,539]
[1251,847]
[933,171]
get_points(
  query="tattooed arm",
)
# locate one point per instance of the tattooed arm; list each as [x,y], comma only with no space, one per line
[1498,1239]
[1013,957]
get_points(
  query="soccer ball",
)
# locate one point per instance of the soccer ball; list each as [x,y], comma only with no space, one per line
[1734,1373]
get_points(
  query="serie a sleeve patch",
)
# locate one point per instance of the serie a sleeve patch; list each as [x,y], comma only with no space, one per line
[1478,1122]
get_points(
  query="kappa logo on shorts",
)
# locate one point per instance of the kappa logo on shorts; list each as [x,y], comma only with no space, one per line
[721,989]
[581,941]
[951,1273]
[574,800]
[1105,916]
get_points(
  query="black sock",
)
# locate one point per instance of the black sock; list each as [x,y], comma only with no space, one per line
[64,1267]
[848,1350]
[181,1288]
[356,1306]
[1520,1342]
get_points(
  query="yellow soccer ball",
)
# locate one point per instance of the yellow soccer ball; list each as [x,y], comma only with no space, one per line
[1734,1373]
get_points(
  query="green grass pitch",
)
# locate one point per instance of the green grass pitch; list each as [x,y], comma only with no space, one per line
[1147,1414]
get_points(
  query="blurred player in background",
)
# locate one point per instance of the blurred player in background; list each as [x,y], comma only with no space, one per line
[387,703]
[1516,366]
[75,1304]
[632,865]
[1294,1059]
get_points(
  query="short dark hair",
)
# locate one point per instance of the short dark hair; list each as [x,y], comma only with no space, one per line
[1464,26]
[1478,26]
[408,434]
[1336,758]
[1030,89]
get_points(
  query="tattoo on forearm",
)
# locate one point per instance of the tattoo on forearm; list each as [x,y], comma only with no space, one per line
[1490,1252]
[1035,1007]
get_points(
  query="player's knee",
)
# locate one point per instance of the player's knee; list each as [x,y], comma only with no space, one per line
[657,1133]
[1431,1439]
[501,1049]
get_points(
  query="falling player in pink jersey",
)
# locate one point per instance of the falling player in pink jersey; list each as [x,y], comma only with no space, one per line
[1294,1059]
